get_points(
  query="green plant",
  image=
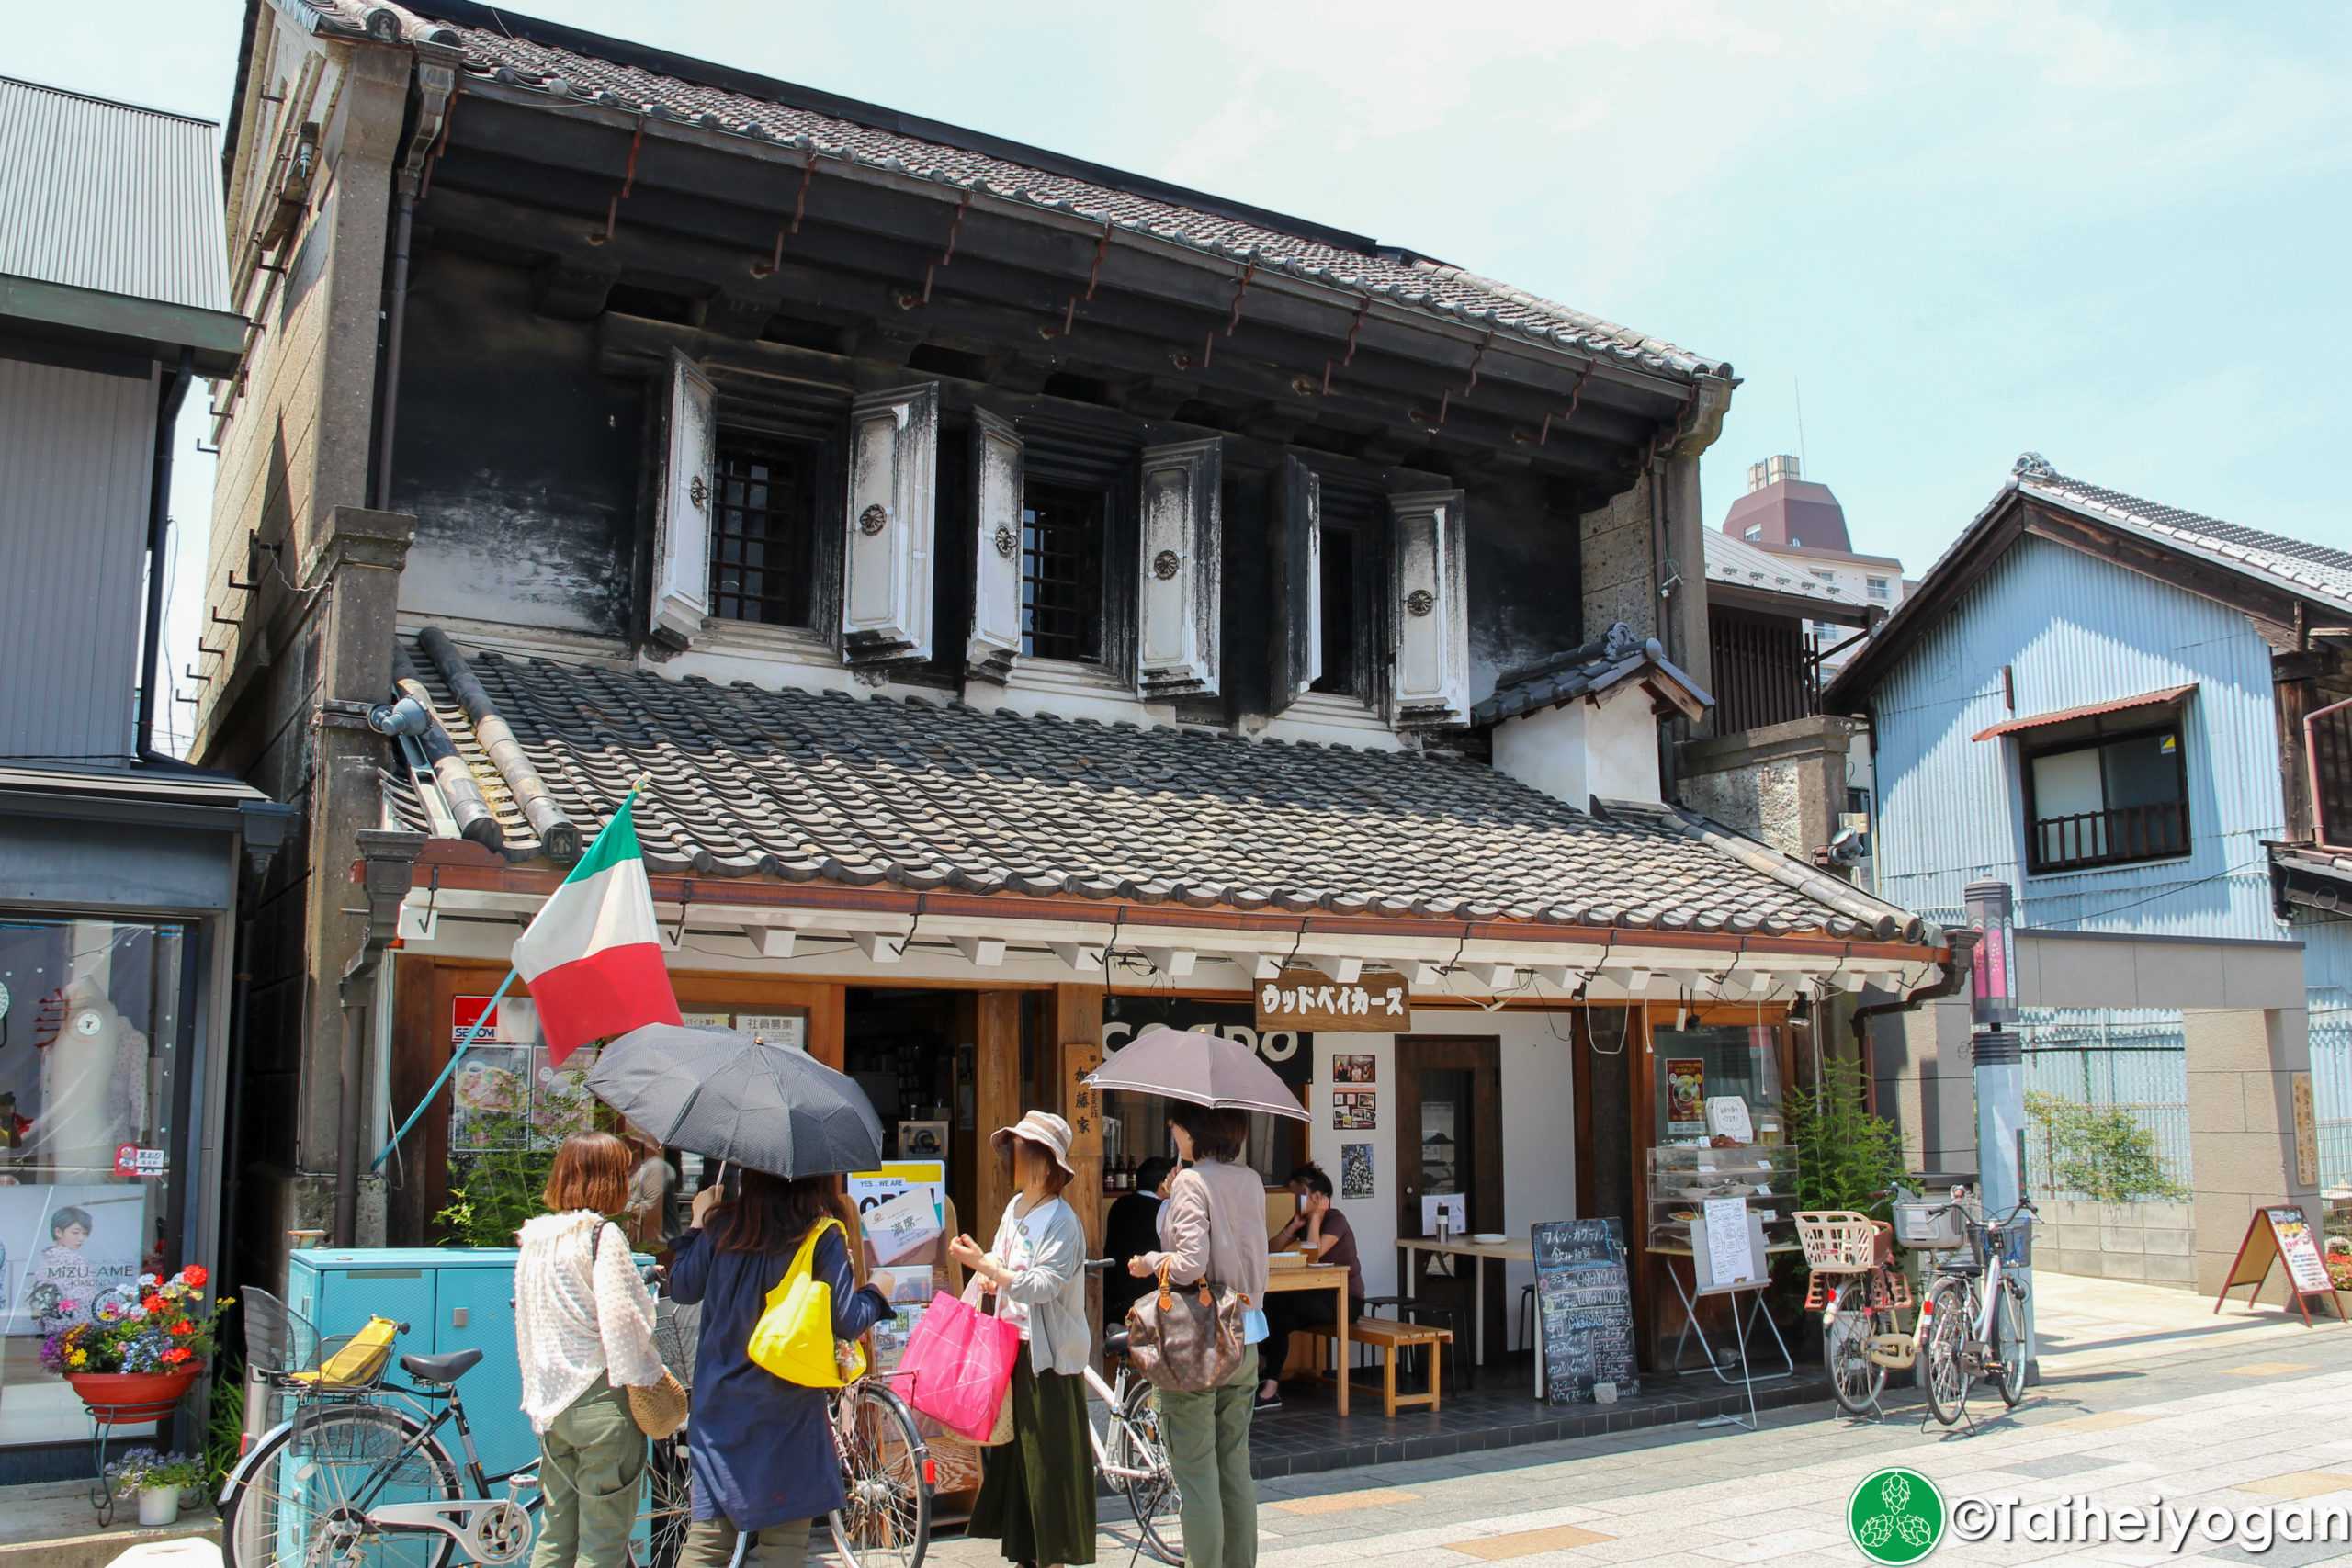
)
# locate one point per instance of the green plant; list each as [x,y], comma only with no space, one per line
[1845,1155]
[224,1426]
[496,1183]
[2101,1152]
[143,1469]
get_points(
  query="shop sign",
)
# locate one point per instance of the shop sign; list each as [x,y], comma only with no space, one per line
[132,1160]
[511,1020]
[1085,1112]
[1377,1004]
[1290,1051]
[2306,1130]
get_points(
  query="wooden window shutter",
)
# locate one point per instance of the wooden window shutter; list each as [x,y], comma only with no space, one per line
[1177,626]
[683,502]
[995,638]
[893,469]
[1429,608]
[1298,585]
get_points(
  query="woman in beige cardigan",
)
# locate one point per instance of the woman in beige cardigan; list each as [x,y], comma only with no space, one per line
[1214,1225]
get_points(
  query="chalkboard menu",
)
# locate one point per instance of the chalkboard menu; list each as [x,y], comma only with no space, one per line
[1587,1305]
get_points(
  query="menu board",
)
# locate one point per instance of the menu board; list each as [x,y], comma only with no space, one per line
[1586,1303]
[2298,1250]
[2280,1233]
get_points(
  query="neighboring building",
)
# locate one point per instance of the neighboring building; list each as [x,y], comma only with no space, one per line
[1045,601]
[120,867]
[1801,522]
[2120,709]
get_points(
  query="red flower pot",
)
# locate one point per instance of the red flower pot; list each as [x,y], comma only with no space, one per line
[134,1396]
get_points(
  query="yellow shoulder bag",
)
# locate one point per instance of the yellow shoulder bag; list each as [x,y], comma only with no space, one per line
[794,1337]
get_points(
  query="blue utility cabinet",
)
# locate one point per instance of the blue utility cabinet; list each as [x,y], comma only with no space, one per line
[452,1298]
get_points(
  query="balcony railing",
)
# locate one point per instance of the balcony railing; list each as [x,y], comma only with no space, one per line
[2113,837]
[2327,743]
[1767,671]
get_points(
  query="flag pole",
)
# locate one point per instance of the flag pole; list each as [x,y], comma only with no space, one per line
[465,1041]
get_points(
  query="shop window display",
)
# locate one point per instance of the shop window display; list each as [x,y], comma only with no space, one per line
[91,1016]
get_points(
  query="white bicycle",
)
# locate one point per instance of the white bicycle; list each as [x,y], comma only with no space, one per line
[1972,1324]
[1130,1453]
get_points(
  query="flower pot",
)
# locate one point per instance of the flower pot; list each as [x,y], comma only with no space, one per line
[159,1504]
[134,1396]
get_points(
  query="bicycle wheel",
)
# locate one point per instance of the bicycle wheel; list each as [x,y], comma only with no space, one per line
[1945,1348]
[661,1535]
[1854,1378]
[2008,1341]
[1136,1444]
[301,1502]
[885,1480]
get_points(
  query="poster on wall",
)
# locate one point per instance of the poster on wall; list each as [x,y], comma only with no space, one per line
[61,1246]
[1354,1067]
[903,1209]
[1686,1097]
[1355,1170]
[1355,1109]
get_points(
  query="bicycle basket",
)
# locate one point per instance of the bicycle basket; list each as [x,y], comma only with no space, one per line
[1838,1240]
[277,1338]
[1929,1224]
[338,1435]
[2017,1242]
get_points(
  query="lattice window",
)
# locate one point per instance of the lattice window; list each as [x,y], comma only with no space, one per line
[1061,573]
[761,532]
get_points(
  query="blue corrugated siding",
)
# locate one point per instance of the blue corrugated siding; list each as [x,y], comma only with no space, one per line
[2074,631]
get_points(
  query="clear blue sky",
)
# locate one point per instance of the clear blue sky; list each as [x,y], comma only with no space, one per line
[2116,234]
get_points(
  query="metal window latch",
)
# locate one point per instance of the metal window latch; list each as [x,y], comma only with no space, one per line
[334,713]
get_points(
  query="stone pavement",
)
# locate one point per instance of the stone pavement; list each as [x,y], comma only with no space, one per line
[2139,1399]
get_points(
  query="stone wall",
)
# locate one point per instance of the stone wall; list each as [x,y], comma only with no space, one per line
[2149,1243]
[1783,784]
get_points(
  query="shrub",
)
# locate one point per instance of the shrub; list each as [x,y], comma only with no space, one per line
[496,1186]
[2101,1152]
[1844,1153]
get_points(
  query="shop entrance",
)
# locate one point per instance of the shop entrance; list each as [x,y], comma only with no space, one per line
[1450,1148]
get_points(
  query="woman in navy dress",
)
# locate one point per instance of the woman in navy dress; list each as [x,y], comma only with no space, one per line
[763,1464]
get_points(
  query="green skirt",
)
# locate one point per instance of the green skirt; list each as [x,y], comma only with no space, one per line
[1037,1493]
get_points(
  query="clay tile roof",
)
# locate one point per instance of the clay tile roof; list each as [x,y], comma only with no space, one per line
[577,67]
[803,785]
[1587,671]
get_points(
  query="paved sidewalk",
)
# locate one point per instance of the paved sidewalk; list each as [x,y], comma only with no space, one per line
[2139,1399]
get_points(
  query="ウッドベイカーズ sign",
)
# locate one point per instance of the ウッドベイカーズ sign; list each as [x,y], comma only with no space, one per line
[1376,1004]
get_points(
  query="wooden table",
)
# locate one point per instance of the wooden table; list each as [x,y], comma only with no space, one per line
[1329,1277]
[1518,1250]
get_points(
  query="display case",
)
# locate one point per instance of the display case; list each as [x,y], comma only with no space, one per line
[1683,1176]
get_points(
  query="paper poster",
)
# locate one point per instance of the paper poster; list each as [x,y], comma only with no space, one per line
[704,1020]
[1727,1117]
[1730,1260]
[1355,1170]
[61,1246]
[902,1226]
[1354,1067]
[1454,1207]
[787,1030]
[2296,1244]
[1355,1109]
[1686,1093]
[875,1192]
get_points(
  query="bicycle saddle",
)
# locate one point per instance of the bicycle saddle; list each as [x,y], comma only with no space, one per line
[446,1368]
[1115,1341]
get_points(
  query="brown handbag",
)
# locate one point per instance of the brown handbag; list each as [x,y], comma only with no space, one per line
[1187,1337]
[661,1408]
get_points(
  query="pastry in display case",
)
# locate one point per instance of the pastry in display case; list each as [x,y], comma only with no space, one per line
[1684,1177]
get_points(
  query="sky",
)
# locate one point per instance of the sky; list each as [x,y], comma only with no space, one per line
[1927,237]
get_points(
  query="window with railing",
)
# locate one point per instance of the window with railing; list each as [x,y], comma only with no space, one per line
[1766,667]
[2108,801]
[1061,572]
[762,532]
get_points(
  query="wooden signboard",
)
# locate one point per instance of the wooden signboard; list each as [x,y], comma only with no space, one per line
[2306,1130]
[1304,1000]
[1584,1302]
[2279,1232]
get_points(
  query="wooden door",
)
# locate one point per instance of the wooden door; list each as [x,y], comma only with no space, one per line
[1448,1143]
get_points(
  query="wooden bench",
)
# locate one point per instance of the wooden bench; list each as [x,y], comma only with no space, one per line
[1388,1339]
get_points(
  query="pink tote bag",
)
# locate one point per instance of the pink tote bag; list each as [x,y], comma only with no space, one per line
[958,1366]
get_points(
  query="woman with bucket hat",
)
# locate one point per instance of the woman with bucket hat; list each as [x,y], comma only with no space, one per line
[1037,1495]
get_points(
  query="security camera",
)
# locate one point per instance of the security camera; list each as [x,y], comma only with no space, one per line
[1850,847]
[407,716]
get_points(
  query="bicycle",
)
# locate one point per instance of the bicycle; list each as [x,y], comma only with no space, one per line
[1972,1323]
[1131,1454]
[1858,1290]
[887,1478]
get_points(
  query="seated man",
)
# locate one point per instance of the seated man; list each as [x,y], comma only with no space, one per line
[1132,1226]
[1328,1237]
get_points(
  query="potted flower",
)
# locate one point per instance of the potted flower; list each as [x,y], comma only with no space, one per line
[138,1349]
[158,1479]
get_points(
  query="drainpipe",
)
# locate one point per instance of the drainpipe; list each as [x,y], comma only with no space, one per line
[436,81]
[388,872]
[1963,943]
[159,525]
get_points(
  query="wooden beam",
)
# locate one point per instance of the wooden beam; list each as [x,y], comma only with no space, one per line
[828,1026]
[2275,607]
[996,1075]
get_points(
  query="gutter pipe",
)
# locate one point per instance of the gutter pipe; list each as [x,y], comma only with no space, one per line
[159,527]
[1963,946]
[436,81]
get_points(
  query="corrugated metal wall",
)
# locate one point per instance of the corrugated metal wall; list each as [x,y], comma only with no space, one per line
[76,453]
[2074,631]
[104,195]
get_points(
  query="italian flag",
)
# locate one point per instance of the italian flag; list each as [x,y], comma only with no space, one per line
[593,958]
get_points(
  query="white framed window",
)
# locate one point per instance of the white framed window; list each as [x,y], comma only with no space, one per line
[1878,588]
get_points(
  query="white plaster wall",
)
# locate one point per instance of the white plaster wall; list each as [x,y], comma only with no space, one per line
[1546,749]
[1621,751]
[1539,1132]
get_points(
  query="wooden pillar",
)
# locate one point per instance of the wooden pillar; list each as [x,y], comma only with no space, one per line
[827,1025]
[995,1071]
[1077,1048]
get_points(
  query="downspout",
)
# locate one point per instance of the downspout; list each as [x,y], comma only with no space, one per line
[159,527]
[1963,943]
[388,872]
[436,81]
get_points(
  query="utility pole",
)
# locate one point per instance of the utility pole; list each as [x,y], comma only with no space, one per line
[1999,1058]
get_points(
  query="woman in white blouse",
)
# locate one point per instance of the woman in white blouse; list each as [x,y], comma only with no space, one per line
[583,1327]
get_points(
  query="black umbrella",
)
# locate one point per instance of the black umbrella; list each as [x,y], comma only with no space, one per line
[726,1096]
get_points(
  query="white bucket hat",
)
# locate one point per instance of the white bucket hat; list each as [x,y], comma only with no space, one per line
[1045,1129]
